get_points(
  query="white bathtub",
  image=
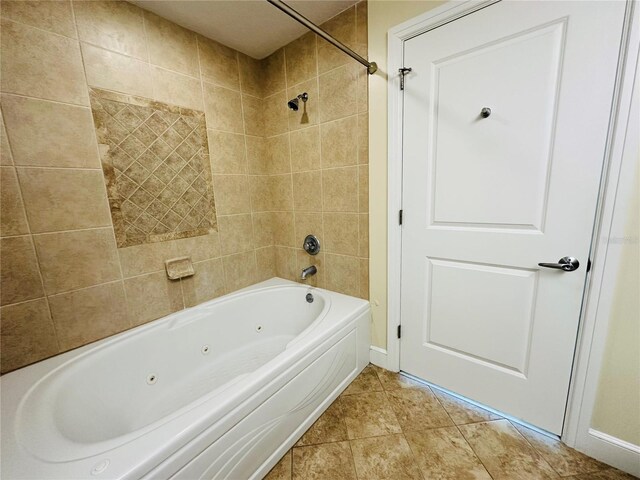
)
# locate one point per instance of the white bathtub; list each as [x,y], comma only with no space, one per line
[220,390]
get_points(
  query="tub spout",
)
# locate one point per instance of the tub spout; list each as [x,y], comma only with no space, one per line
[307,272]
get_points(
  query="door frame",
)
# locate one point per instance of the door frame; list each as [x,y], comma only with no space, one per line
[593,321]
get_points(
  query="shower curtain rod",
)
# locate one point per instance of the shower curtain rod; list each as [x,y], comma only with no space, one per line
[371,66]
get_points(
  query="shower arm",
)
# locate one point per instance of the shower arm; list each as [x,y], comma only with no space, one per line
[371,66]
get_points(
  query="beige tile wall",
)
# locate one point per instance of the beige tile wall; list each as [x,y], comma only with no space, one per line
[63,281]
[315,160]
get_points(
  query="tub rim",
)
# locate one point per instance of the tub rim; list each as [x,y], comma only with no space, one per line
[93,449]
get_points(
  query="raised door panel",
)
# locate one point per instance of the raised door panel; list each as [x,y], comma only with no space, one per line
[482,313]
[493,171]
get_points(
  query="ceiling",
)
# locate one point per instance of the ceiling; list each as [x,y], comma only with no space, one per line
[254,27]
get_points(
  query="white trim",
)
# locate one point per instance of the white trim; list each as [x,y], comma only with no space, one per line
[396,38]
[394,199]
[596,304]
[593,331]
[615,441]
[378,356]
[613,451]
[618,183]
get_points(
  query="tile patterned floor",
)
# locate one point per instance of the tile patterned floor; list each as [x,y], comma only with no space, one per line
[386,426]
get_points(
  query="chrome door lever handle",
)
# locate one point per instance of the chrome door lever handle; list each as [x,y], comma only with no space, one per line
[568,264]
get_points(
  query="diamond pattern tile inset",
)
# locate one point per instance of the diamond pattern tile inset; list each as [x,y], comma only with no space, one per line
[155,164]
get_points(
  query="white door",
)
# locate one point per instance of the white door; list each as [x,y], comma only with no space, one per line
[487,198]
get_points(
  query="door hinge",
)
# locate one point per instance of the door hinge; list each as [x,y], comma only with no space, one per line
[403,72]
[400,217]
[399,331]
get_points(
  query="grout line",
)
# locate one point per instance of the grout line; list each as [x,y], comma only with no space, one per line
[340,13]
[353,459]
[224,131]
[124,290]
[84,68]
[533,447]
[256,273]
[359,275]
[144,274]
[242,92]
[22,302]
[67,104]
[284,54]
[47,167]
[454,424]
[344,422]
[148,59]
[238,174]
[95,138]
[11,161]
[5,18]
[119,52]
[336,168]
[339,119]
[414,455]
[217,85]
[341,255]
[442,405]
[66,292]
[184,303]
[325,276]
[146,36]
[474,451]
[234,214]
[174,101]
[86,229]
[37,256]
[226,273]
[293,196]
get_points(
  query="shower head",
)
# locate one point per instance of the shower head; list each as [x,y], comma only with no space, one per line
[293,104]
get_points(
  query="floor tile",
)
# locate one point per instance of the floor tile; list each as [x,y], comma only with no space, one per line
[367,381]
[368,415]
[384,458]
[282,469]
[563,459]
[329,461]
[609,474]
[504,452]
[443,453]
[462,412]
[417,409]
[444,438]
[393,381]
[328,428]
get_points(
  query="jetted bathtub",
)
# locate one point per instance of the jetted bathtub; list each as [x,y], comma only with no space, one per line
[221,390]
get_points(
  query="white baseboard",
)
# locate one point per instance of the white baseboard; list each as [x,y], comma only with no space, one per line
[613,451]
[378,356]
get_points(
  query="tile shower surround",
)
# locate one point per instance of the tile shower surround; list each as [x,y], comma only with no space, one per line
[277,175]
[318,156]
